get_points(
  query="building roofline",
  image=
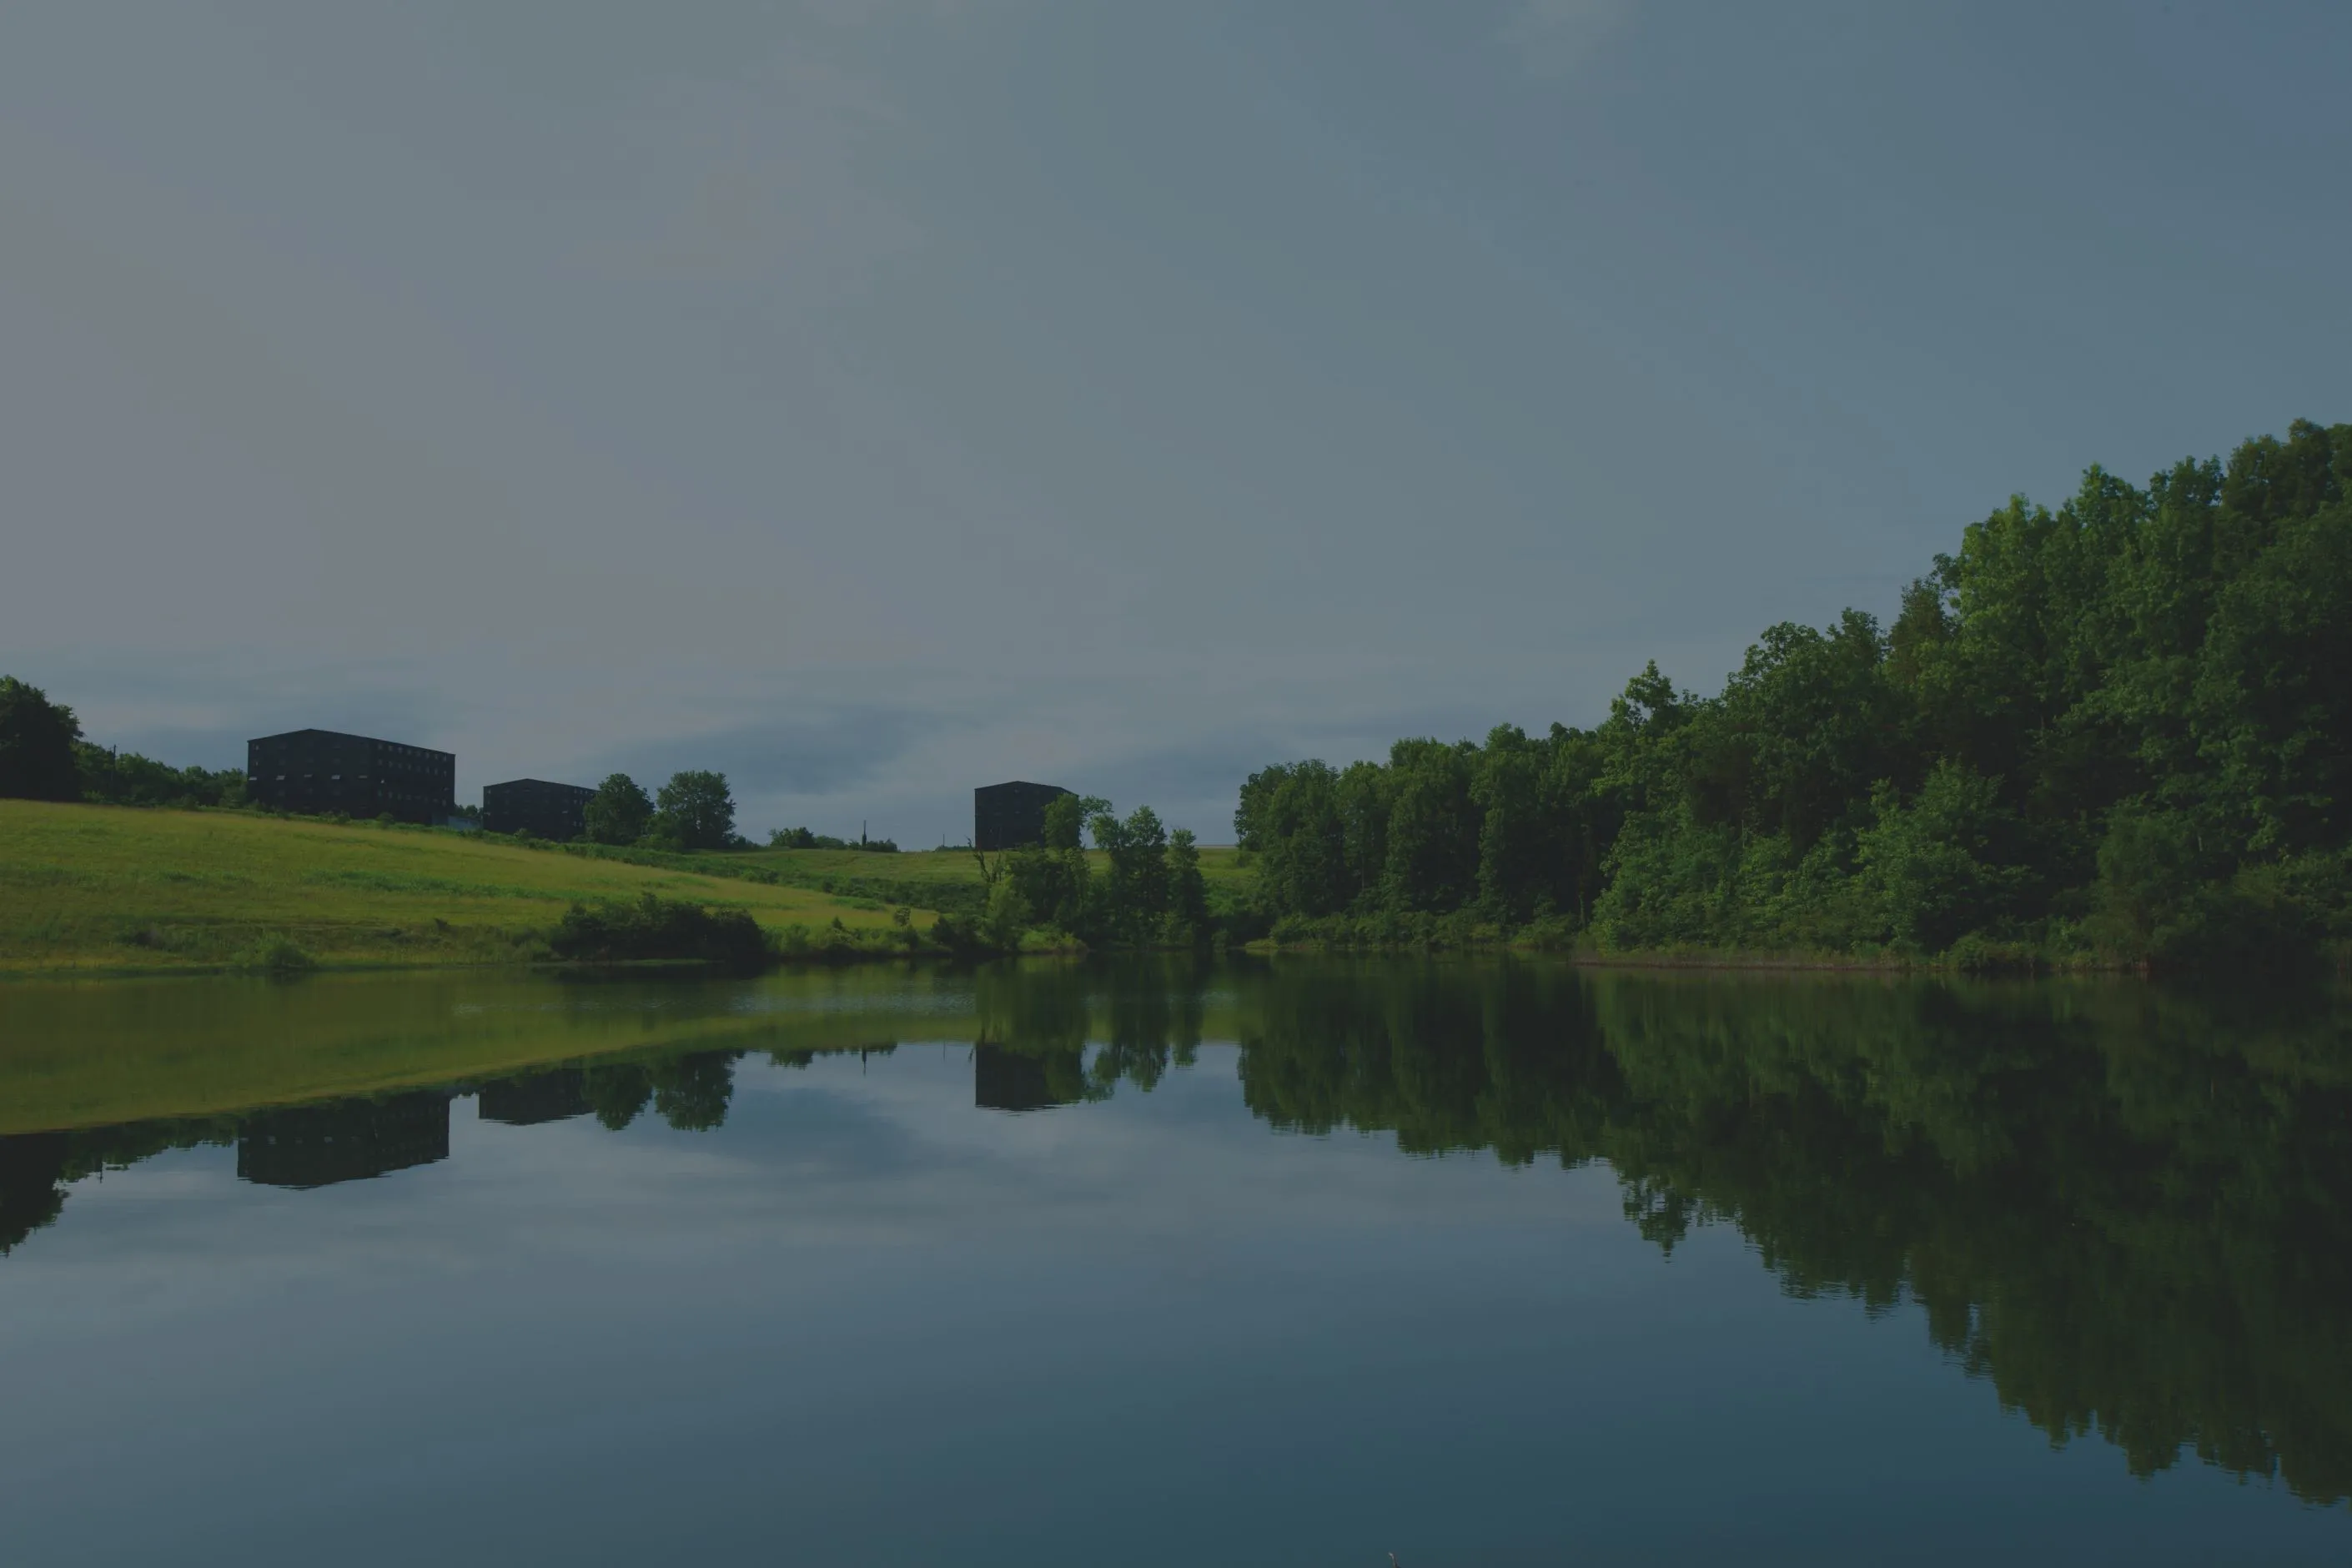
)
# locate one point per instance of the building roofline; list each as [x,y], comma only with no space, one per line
[349,735]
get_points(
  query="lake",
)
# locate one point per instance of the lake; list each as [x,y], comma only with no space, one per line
[1294,1262]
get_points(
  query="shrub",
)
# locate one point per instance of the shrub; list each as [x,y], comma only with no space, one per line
[277,955]
[657,927]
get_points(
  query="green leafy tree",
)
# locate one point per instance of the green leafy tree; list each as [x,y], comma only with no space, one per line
[36,744]
[1066,817]
[695,811]
[1188,893]
[1134,884]
[619,811]
[126,778]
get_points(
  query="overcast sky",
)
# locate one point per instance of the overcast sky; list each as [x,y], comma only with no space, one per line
[875,399]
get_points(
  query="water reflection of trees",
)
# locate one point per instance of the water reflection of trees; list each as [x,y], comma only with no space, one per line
[2128,1209]
[691,1091]
[1036,1025]
[2125,1209]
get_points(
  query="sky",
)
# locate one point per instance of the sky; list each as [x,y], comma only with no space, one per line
[876,398]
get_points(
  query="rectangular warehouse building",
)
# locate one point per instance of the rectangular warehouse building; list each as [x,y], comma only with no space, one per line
[1007,815]
[316,772]
[557,811]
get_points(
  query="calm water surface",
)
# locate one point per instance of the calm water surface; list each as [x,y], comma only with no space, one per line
[1301,1263]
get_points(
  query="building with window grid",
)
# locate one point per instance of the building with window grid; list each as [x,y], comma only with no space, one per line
[557,811]
[317,772]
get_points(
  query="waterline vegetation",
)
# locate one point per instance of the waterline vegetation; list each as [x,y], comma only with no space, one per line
[2114,734]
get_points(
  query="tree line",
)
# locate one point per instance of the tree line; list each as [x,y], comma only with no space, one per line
[43,756]
[2119,731]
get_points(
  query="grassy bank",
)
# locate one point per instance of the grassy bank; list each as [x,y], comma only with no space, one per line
[97,888]
[80,1053]
[947,880]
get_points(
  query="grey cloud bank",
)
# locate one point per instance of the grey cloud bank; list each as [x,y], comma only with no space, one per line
[876,401]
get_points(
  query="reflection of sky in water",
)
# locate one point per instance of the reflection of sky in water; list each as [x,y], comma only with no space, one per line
[865,1322]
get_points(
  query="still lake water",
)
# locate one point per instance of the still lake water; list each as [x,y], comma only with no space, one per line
[1298,1263]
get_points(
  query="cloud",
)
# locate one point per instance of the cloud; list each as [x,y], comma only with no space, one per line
[777,174]
[1553,38]
[818,752]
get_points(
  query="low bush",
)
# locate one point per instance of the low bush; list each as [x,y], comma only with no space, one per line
[657,928]
[278,955]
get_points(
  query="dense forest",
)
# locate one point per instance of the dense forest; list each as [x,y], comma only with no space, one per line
[2119,732]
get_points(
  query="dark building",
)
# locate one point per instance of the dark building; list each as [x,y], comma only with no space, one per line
[534,1098]
[316,1145]
[557,811]
[320,771]
[1007,815]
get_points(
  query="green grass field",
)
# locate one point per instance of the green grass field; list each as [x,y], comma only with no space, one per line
[99,888]
[77,1053]
[1218,863]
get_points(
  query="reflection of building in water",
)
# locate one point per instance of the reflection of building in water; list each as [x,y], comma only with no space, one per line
[315,1145]
[535,1098]
[1007,1079]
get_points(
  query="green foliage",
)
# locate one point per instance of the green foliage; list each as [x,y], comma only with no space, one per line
[36,744]
[278,955]
[695,811]
[659,928]
[126,778]
[1944,865]
[1187,921]
[1039,885]
[1134,895]
[1066,817]
[619,811]
[802,838]
[2120,729]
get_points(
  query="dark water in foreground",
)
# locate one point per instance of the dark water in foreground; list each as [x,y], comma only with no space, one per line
[1292,1263]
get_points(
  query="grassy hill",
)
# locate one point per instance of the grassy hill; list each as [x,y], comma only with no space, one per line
[114,888]
[947,880]
[1218,865]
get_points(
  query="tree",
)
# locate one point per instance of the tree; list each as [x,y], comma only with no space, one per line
[36,744]
[126,778]
[1188,895]
[1135,891]
[1066,817]
[695,811]
[619,811]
